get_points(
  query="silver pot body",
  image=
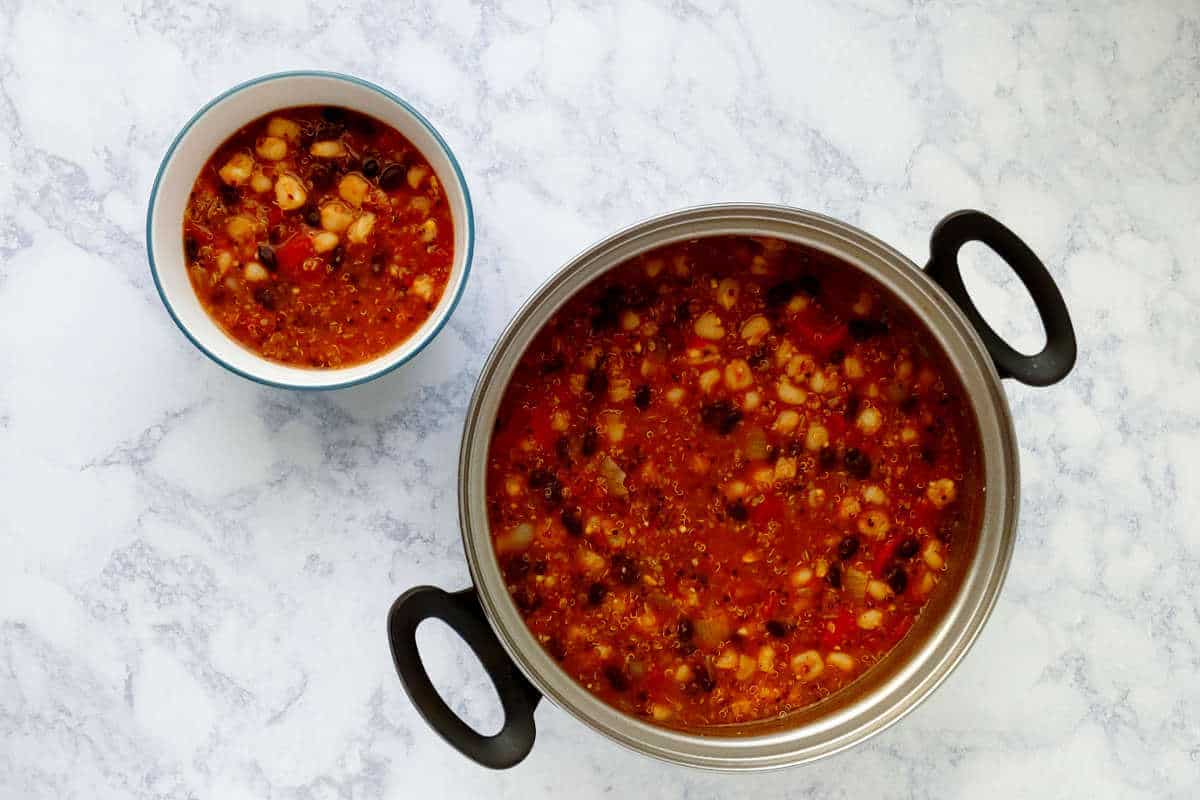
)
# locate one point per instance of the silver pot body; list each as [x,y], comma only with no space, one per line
[951,620]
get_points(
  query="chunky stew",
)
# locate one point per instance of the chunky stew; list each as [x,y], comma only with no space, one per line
[318,237]
[725,479]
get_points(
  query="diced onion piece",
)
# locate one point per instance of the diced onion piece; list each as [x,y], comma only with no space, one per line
[283,128]
[255,272]
[516,539]
[842,661]
[756,444]
[727,293]
[614,477]
[361,228]
[855,583]
[336,216]
[711,630]
[289,192]
[325,241]
[353,188]
[415,175]
[709,326]
[422,287]
[271,148]
[237,169]
[807,665]
[332,148]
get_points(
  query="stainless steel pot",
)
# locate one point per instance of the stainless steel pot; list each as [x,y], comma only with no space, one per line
[486,617]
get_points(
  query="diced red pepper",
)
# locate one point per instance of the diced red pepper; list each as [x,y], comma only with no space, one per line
[770,508]
[821,340]
[291,256]
[885,556]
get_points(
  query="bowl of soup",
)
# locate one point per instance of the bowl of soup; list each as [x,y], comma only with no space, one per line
[309,230]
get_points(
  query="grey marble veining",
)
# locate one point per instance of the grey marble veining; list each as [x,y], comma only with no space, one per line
[194,570]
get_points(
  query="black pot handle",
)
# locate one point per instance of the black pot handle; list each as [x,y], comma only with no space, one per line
[1058,356]
[462,612]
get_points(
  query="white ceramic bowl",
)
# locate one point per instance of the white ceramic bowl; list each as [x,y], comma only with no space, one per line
[211,126]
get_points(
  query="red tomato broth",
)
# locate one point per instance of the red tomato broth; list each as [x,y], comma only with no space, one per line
[341,268]
[705,548]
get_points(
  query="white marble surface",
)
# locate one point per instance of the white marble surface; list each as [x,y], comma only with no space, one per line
[194,570]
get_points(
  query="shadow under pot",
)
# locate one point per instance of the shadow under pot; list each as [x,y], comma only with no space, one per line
[935,303]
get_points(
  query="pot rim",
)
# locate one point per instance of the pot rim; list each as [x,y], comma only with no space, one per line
[887,691]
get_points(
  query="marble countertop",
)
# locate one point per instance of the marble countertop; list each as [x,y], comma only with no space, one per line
[195,570]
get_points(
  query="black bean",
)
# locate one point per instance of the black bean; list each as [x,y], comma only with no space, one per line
[862,329]
[721,416]
[277,233]
[597,381]
[945,534]
[777,628]
[834,576]
[616,677]
[589,444]
[370,168]
[608,308]
[909,404]
[626,569]
[552,364]
[335,256]
[857,463]
[321,177]
[738,511]
[516,570]
[641,398]
[229,194]
[827,458]
[191,248]
[897,578]
[685,630]
[527,600]
[562,449]
[333,114]
[265,297]
[312,217]
[572,522]
[809,284]
[546,482]
[540,478]
[779,294]
[847,547]
[908,547]
[596,593]
[683,311]
[853,403]
[928,455]
[705,680]
[392,177]
[266,257]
